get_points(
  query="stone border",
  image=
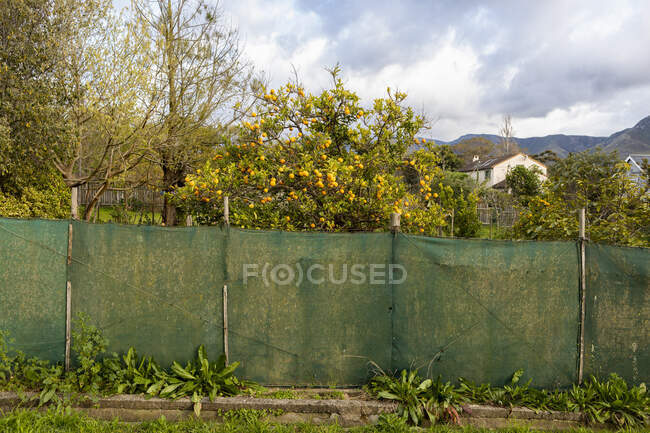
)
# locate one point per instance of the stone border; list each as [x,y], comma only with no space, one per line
[132,408]
[501,417]
[347,412]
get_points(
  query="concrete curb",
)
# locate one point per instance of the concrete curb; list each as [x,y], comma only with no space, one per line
[346,412]
[138,408]
[501,417]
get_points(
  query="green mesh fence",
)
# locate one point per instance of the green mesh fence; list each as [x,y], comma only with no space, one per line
[617,323]
[154,288]
[484,309]
[321,328]
[315,309]
[32,285]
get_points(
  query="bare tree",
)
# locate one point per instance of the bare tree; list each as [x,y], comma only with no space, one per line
[506,132]
[200,75]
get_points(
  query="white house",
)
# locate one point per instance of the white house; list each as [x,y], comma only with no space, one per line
[635,161]
[493,170]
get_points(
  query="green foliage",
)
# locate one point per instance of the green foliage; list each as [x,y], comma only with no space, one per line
[645,172]
[87,343]
[288,394]
[199,75]
[197,379]
[320,162]
[25,421]
[547,157]
[610,401]
[392,423]
[458,194]
[524,183]
[329,395]
[479,146]
[45,196]
[30,112]
[127,374]
[5,361]
[419,398]
[448,160]
[617,209]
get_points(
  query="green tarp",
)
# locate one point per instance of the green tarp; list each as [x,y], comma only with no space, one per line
[322,328]
[33,284]
[617,322]
[324,309]
[154,288]
[484,309]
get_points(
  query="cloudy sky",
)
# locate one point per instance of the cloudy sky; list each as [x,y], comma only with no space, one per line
[557,66]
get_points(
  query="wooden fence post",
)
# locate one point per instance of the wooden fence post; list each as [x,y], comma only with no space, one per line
[453,213]
[226,210]
[491,220]
[583,290]
[394,222]
[68,302]
[225,323]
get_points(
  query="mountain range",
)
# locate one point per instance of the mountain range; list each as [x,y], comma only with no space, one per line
[630,140]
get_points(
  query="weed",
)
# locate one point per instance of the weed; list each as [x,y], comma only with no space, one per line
[197,379]
[288,394]
[392,423]
[610,401]
[329,395]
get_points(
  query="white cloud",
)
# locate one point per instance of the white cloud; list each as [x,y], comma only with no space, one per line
[442,81]
[555,67]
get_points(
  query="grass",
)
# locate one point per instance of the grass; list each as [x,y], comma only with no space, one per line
[25,421]
[292,394]
[109,214]
[497,232]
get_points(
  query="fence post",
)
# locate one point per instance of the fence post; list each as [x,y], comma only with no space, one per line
[225,323]
[68,302]
[491,220]
[226,210]
[394,222]
[226,219]
[453,212]
[583,288]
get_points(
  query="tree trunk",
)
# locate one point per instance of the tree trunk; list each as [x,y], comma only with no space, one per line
[91,205]
[74,202]
[171,179]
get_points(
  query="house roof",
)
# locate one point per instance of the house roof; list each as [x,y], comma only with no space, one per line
[493,161]
[636,158]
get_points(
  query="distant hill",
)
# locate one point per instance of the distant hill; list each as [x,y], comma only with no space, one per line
[631,140]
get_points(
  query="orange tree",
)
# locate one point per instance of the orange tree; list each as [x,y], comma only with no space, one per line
[320,162]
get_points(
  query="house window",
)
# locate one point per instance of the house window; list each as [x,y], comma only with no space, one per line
[487,174]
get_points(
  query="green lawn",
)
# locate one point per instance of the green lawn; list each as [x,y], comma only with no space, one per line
[109,214]
[497,232]
[53,422]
